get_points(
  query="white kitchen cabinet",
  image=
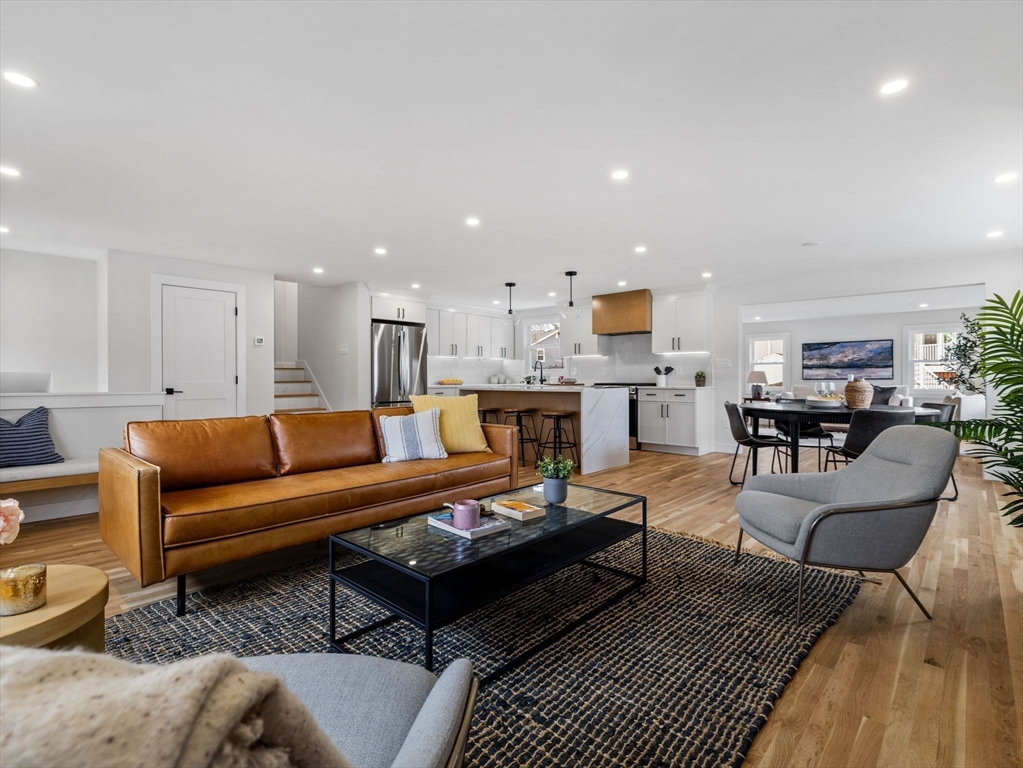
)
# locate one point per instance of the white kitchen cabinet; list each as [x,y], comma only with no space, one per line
[397,310]
[477,337]
[432,332]
[676,420]
[443,391]
[577,337]
[680,324]
[451,335]
[502,339]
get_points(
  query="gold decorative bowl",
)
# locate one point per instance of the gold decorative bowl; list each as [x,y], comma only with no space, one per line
[22,589]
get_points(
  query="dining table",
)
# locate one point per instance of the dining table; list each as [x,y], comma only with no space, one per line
[798,412]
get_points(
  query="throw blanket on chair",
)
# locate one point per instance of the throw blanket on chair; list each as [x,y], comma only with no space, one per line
[85,709]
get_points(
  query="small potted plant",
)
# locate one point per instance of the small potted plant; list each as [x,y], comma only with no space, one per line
[701,378]
[555,471]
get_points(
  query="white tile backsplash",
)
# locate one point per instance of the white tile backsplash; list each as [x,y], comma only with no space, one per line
[471,370]
[629,359]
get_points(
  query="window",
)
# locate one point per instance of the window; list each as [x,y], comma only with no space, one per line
[927,355]
[545,343]
[767,354]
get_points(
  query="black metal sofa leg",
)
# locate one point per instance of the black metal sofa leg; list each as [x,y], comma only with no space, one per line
[181,595]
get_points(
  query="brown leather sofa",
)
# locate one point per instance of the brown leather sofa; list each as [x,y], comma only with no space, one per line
[188,495]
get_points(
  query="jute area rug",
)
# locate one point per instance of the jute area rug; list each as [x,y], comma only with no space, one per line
[683,672]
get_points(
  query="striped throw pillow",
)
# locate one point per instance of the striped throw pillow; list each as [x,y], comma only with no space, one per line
[27,441]
[416,436]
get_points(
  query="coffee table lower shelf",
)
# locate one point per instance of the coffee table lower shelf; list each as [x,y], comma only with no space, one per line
[431,603]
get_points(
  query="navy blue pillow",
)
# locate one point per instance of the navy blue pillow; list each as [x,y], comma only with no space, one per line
[27,441]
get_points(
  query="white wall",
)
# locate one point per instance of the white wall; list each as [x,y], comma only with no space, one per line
[355,335]
[285,321]
[319,338]
[1001,273]
[48,318]
[128,282]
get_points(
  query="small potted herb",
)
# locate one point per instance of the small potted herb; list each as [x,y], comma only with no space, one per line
[701,378]
[555,471]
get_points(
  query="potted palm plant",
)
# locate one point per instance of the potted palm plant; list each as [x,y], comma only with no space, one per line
[555,471]
[998,361]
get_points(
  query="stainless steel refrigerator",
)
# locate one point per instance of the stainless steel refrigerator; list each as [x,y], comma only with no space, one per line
[399,363]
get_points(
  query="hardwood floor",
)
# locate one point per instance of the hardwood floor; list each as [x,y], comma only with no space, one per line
[882,687]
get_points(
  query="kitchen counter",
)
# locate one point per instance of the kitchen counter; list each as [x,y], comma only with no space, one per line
[601,416]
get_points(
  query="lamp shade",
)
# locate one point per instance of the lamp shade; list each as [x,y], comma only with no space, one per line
[756,377]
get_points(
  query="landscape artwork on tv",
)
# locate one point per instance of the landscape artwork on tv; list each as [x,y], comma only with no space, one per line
[840,359]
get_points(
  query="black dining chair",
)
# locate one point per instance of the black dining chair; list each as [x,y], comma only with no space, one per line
[806,432]
[948,414]
[742,437]
[865,426]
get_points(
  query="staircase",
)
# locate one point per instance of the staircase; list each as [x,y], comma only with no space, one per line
[293,390]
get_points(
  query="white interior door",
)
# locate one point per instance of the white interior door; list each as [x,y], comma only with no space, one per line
[199,348]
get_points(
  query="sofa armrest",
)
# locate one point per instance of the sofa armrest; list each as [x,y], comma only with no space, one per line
[130,521]
[440,731]
[504,439]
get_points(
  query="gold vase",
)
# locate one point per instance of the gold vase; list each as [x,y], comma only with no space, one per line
[22,589]
[859,394]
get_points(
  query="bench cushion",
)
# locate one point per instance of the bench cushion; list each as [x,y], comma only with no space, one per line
[43,471]
[204,452]
[206,514]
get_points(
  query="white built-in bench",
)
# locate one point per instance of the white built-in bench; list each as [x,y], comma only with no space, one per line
[80,424]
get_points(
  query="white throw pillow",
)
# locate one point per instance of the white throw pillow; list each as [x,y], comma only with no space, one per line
[416,436]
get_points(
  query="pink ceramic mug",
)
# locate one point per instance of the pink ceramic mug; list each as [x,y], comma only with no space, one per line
[465,514]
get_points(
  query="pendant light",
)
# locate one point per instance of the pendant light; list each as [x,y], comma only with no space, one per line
[568,309]
[511,318]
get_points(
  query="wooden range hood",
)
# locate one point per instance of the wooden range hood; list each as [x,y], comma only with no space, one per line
[616,314]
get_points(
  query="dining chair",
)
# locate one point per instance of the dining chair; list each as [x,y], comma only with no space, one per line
[865,426]
[806,431]
[946,415]
[871,515]
[742,437]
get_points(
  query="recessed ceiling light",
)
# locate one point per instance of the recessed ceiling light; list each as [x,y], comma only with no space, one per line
[1005,178]
[380,251]
[640,249]
[995,233]
[4,230]
[415,285]
[922,306]
[497,301]
[621,282]
[620,175]
[894,86]
[472,221]
[19,79]
[757,317]
[552,293]
[452,309]
[810,243]
[705,274]
[9,171]
[318,270]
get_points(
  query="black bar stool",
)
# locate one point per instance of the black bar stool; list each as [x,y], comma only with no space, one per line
[527,430]
[486,413]
[556,437]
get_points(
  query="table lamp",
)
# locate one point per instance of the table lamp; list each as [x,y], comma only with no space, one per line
[756,380]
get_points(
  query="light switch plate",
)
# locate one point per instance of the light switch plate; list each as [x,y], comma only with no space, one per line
[342,349]
[257,341]
[722,362]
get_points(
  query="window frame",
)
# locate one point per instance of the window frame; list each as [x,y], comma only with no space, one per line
[786,369]
[530,350]
[908,360]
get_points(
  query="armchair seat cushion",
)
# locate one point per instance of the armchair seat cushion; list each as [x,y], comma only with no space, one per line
[780,516]
[206,514]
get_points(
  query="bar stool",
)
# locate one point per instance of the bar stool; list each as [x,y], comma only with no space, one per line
[556,437]
[486,413]
[527,430]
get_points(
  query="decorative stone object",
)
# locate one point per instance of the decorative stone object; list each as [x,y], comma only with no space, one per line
[22,589]
[858,394]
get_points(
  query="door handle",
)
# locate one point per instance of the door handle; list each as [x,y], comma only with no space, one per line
[667,410]
[172,391]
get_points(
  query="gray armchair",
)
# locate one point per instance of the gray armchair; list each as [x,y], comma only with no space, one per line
[869,516]
[379,712]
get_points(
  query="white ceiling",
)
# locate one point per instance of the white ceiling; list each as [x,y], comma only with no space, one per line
[285,135]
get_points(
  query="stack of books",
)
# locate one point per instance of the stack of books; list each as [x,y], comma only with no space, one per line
[487,526]
[518,510]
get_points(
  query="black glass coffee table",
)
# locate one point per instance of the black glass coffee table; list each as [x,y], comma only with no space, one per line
[432,578]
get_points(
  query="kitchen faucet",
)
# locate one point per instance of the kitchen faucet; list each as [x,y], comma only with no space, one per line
[540,363]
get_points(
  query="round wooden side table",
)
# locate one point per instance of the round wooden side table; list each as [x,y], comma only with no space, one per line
[76,596]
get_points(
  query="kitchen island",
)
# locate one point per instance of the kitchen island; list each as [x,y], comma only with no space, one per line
[601,416]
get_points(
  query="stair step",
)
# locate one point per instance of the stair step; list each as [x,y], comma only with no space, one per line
[297,410]
[289,368]
[292,381]
[295,394]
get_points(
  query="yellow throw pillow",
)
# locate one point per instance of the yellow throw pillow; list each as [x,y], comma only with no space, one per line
[460,429]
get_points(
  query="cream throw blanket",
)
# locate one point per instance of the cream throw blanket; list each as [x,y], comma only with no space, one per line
[85,709]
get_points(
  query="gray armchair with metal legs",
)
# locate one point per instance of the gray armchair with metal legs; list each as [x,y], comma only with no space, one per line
[871,515]
[947,412]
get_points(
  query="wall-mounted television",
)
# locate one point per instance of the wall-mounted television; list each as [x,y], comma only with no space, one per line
[839,359]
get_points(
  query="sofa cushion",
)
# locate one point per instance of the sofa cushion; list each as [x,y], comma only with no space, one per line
[204,514]
[780,516]
[311,442]
[27,441]
[460,429]
[204,452]
[412,437]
